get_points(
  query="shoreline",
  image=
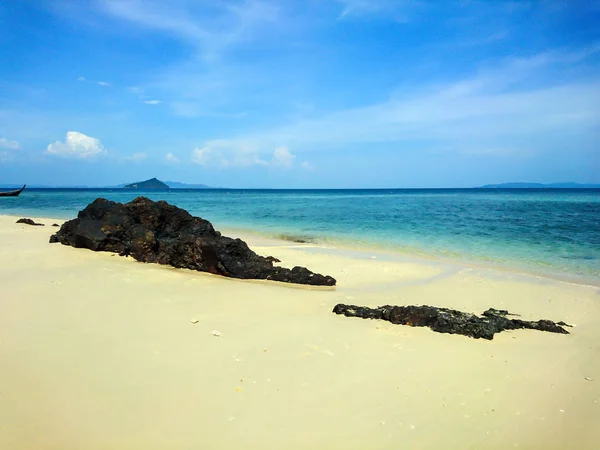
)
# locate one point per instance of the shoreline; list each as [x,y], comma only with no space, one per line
[368,250]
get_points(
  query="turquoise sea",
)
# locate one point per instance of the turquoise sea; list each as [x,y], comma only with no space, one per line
[546,231]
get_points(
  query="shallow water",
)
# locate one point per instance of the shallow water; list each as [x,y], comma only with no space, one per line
[550,231]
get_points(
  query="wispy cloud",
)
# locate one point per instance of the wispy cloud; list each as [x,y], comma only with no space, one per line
[9,149]
[140,93]
[496,152]
[462,117]
[6,157]
[210,33]
[208,26]
[9,144]
[137,157]
[99,83]
[77,145]
[307,166]
[397,10]
[171,158]
[475,112]
[136,90]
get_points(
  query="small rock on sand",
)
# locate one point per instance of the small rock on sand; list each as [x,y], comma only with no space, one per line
[216,333]
[194,320]
[27,221]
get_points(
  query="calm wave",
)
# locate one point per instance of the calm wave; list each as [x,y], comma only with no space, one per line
[556,231]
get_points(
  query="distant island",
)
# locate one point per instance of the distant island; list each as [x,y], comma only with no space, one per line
[152,183]
[178,185]
[155,183]
[541,186]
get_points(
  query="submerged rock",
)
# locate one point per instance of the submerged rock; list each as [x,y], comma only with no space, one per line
[297,239]
[30,222]
[443,320]
[158,232]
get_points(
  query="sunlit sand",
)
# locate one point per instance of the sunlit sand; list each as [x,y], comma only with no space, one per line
[99,351]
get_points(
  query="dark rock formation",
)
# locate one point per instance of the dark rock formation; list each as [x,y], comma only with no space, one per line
[273,259]
[30,222]
[444,320]
[55,225]
[158,232]
[152,183]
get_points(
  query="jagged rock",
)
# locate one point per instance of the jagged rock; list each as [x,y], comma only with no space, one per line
[443,320]
[273,259]
[30,222]
[158,232]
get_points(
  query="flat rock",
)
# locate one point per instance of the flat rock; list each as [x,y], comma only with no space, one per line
[157,232]
[443,320]
[30,222]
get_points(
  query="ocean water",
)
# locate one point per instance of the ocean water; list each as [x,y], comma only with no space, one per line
[549,231]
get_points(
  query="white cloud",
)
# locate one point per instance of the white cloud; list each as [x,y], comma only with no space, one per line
[239,153]
[307,166]
[171,158]
[80,79]
[77,145]
[152,102]
[104,83]
[201,156]
[137,157]
[283,158]
[8,144]
[227,153]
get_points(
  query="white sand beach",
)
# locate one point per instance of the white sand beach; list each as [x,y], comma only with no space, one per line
[101,352]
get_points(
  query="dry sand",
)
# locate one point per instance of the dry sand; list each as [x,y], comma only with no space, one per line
[101,352]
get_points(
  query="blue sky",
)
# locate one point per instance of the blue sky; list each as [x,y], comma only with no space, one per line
[299,94]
